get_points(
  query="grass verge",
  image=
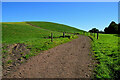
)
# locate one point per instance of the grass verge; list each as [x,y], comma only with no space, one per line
[106,51]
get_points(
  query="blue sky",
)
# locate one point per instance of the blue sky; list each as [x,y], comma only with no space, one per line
[60,0]
[82,15]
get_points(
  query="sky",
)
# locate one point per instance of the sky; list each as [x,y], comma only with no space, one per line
[82,15]
[61,0]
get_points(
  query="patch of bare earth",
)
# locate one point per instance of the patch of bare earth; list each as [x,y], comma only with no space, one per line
[69,60]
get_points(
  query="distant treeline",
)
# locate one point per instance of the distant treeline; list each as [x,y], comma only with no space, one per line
[113,28]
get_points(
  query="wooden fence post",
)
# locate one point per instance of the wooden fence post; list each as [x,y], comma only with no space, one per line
[74,33]
[97,35]
[51,37]
[90,33]
[64,34]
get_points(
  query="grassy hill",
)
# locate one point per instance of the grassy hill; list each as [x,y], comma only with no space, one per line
[56,27]
[34,37]
[20,31]
[14,32]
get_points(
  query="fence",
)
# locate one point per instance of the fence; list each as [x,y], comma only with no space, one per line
[60,36]
[83,33]
[90,34]
[93,34]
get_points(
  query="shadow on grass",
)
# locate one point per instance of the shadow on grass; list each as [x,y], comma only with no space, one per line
[118,35]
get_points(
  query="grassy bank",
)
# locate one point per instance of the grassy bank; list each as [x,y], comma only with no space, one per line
[107,54]
[56,27]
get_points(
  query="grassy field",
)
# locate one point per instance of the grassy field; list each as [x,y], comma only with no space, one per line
[17,32]
[106,51]
[56,27]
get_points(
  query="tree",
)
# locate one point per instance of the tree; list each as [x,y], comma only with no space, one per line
[94,30]
[112,28]
[119,28]
[106,30]
[101,31]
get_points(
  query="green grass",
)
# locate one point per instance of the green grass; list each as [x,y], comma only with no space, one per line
[107,54]
[56,27]
[17,32]
[44,44]
[9,61]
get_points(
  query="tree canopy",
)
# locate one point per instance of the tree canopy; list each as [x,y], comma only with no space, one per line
[94,30]
[112,28]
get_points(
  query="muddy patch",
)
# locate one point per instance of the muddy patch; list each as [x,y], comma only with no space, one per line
[12,56]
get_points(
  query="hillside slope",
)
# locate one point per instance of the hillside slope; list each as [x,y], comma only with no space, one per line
[55,27]
[15,32]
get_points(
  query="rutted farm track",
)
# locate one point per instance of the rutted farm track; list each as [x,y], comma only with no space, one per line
[69,60]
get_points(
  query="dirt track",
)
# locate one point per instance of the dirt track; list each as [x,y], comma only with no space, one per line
[69,60]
